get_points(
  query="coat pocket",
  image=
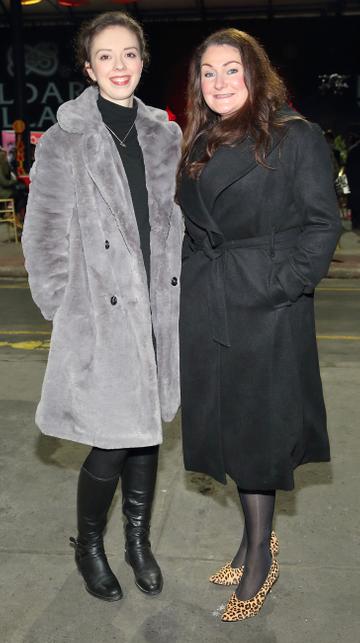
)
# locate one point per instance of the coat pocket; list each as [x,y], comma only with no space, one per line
[251,280]
[277,295]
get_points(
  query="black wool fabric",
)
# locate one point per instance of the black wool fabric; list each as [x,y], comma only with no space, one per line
[257,242]
[119,119]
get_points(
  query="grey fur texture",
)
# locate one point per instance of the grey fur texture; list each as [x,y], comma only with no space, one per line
[103,384]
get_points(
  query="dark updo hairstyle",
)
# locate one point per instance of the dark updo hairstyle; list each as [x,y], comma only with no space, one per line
[267,94]
[93,27]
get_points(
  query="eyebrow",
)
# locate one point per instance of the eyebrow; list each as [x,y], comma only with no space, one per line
[125,49]
[224,65]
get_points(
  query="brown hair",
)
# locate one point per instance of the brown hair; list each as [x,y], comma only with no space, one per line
[266,95]
[91,28]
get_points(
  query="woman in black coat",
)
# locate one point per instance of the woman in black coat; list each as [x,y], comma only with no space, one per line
[256,188]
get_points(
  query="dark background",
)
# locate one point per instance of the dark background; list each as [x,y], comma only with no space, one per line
[300,48]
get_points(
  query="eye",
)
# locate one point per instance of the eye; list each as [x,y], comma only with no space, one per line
[131,54]
[209,74]
[104,57]
[232,70]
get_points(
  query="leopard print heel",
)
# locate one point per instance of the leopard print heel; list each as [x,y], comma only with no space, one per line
[237,610]
[228,575]
[274,544]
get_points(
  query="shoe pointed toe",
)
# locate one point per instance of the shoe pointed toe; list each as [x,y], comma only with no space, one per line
[239,610]
[227,575]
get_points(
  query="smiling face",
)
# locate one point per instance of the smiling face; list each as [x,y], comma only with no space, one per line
[222,80]
[115,64]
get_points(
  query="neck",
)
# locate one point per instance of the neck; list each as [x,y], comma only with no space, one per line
[123,102]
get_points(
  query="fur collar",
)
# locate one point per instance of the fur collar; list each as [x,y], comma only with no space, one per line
[159,140]
[81,114]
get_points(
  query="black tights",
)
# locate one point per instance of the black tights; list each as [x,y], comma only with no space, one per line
[254,552]
[109,463]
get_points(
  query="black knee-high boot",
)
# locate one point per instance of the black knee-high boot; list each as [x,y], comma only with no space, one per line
[138,485]
[93,503]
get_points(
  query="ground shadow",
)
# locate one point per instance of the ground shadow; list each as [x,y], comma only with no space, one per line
[312,474]
[60,453]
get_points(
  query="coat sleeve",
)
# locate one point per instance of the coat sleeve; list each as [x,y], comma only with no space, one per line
[45,237]
[316,203]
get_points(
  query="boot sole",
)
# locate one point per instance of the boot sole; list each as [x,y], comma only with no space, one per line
[153,592]
[108,599]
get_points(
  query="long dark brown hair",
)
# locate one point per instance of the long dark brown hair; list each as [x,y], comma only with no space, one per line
[266,95]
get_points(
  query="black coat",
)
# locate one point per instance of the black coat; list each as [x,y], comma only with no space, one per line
[257,242]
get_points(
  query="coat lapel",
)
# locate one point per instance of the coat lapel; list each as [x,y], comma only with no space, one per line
[161,149]
[105,167]
[196,210]
[160,143]
[230,164]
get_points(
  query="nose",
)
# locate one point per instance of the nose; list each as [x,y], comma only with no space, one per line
[220,80]
[119,63]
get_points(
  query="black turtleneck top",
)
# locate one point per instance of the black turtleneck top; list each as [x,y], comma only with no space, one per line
[120,119]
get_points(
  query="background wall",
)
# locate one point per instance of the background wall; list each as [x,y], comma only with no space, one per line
[301,48]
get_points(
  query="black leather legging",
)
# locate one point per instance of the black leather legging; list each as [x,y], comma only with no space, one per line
[108,463]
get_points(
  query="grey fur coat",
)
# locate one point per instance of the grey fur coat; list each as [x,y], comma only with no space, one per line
[103,385]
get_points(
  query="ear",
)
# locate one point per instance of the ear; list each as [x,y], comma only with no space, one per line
[89,71]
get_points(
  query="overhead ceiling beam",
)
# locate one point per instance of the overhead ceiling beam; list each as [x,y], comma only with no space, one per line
[5,10]
[201,7]
[270,10]
[54,5]
[54,14]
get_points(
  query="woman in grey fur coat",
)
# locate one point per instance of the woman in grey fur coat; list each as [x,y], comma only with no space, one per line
[102,241]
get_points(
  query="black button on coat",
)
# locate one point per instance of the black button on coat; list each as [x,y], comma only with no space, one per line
[258,241]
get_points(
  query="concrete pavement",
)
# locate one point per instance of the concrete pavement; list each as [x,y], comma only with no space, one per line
[196,522]
[195,528]
[346,262]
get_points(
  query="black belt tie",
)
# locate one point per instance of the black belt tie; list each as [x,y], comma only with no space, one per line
[216,290]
